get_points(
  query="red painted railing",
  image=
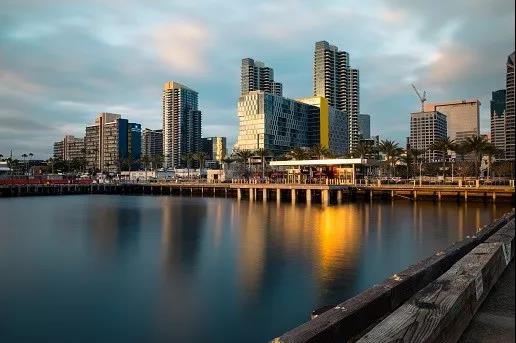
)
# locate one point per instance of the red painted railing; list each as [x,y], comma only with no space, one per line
[39,181]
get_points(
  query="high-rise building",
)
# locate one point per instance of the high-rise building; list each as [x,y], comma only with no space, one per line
[214,148]
[364,126]
[509,110]
[70,148]
[336,81]
[181,124]
[425,129]
[110,141]
[462,117]
[333,123]
[256,76]
[278,124]
[152,143]
[498,119]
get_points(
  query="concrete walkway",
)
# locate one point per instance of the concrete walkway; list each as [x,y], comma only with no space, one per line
[494,321]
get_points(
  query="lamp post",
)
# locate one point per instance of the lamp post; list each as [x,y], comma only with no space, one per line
[452,161]
[420,173]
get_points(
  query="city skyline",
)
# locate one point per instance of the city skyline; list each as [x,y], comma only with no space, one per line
[73,71]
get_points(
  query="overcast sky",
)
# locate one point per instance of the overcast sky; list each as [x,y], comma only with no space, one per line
[62,62]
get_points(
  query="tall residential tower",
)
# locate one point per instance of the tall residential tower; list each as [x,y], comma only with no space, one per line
[256,76]
[336,81]
[181,123]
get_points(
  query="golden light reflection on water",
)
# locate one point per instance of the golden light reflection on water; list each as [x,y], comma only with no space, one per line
[337,240]
[251,247]
[327,241]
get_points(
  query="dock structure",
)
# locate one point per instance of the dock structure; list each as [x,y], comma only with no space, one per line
[294,192]
[433,300]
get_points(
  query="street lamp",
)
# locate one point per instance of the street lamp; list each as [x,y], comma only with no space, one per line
[420,173]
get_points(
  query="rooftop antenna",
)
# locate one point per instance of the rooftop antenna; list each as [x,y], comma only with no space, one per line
[421,98]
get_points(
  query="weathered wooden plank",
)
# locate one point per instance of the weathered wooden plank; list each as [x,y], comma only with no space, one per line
[353,316]
[441,311]
[506,234]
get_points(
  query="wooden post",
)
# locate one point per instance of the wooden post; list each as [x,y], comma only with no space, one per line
[465,196]
[439,196]
[293,195]
[264,194]
[339,196]
[494,196]
[325,197]
[308,196]
[414,193]
[278,194]
[239,193]
[251,194]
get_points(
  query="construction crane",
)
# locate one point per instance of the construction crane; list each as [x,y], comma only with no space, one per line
[421,98]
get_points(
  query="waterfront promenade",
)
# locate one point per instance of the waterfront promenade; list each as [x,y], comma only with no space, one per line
[323,193]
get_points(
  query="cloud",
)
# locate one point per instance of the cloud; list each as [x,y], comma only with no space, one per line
[62,62]
[182,46]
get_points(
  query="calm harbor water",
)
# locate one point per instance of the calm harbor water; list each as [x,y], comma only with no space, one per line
[100,268]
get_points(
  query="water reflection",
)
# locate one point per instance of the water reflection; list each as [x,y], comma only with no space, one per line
[113,229]
[247,271]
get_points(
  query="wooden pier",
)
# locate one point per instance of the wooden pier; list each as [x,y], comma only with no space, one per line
[431,301]
[292,192]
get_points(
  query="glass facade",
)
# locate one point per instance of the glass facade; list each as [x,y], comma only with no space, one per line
[278,124]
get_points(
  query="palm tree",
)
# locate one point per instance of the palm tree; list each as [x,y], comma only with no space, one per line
[262,153]
[298,154]
[362,150]
[157,161]
[226,161]
[461,149]
[476,144]
[189,159]
[145,161]
[443,145]
[320,152]
[201,158]
[392,151]
[407,158]
[490,150]
[416,156]
[243,156]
